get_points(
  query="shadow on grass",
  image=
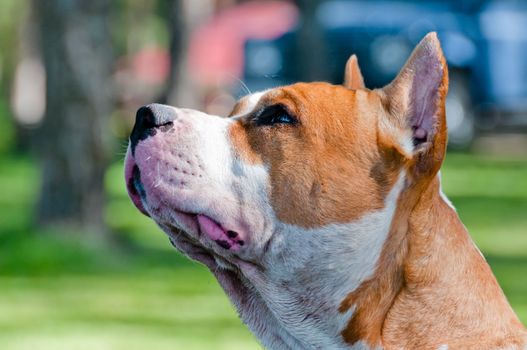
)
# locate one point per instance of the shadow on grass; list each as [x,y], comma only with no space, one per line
[510,272]
[30,253]
[494,210]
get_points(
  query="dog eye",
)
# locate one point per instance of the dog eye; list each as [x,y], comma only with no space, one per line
[273,115]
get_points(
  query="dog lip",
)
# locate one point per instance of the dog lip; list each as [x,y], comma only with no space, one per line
[134,185]
[226,239]
[187,222]
[204,226]
[137,192]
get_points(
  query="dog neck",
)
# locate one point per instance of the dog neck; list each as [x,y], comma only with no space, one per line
[430,276]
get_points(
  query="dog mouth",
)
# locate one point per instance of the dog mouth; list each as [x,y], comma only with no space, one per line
[226,239]
[199,224]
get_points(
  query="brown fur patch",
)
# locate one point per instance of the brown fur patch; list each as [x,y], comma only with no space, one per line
[240,107]
[325,169]
[449,295]
[240,141]
[431,286]
[352,76]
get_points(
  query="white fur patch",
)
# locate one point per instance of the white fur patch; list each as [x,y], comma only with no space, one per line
[362,345]
[250,103]
[407,143]
[310,271]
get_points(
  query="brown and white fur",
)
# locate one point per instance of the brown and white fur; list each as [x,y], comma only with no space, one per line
[337,234]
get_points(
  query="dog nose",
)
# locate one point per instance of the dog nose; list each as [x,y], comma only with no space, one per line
[154,115]
[148,119]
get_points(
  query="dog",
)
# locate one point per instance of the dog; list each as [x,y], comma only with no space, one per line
[319,210]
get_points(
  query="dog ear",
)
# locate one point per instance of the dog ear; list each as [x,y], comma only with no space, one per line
[352,75]
[415,101]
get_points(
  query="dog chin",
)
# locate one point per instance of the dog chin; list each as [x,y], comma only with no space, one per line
[179,221]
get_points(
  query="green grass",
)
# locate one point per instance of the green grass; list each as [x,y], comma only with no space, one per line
[59,290]
[491,198]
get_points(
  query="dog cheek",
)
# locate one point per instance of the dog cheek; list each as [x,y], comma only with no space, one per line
[252,195]
[244,142]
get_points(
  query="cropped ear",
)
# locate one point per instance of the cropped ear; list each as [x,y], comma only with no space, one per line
[415,102]
[352,75]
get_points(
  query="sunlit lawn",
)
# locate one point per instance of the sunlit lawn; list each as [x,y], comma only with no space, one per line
[58,291]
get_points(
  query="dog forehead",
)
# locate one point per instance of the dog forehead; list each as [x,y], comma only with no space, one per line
[247,104]
[308,101]
[303,99]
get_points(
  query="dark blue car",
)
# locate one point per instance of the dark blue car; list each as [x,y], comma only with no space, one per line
[485,44]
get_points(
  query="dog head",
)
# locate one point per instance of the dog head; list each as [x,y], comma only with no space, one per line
[301,181]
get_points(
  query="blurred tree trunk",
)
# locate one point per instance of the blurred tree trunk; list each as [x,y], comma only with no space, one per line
[311,46]
[27,89]
[72,142]
[180,89]
[172,10]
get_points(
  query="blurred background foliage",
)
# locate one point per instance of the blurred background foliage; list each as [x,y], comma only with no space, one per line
[81,268]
